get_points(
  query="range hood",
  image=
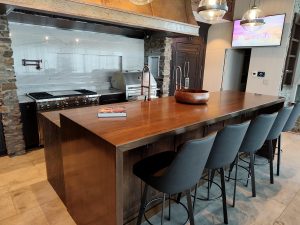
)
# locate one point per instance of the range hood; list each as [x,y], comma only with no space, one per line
[170,16]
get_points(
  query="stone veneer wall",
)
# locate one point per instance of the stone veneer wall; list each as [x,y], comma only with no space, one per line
[11,117]
[158,46]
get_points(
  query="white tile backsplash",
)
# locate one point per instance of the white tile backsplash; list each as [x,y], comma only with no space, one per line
[71,59]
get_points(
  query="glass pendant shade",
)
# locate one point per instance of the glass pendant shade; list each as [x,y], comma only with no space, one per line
[253,19]
[212,10]
[141,2]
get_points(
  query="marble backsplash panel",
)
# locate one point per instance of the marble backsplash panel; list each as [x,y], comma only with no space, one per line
[71,59]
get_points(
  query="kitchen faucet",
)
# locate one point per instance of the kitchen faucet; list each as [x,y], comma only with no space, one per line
[145,69]
[178,68]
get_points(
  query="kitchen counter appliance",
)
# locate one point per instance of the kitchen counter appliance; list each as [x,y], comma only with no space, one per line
[130,83]
[58,100]
[55,100]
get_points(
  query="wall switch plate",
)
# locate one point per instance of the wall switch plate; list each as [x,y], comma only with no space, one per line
[261,74]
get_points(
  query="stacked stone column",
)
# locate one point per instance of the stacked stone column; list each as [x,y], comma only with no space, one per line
[9,104]
[162,47]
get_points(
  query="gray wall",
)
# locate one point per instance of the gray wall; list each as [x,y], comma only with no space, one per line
[71,59]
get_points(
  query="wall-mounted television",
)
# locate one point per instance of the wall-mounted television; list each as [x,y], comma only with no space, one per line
[270,34]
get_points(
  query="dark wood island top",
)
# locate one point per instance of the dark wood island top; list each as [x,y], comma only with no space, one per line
[148,121]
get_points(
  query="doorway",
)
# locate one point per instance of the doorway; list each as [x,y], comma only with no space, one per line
[236,69]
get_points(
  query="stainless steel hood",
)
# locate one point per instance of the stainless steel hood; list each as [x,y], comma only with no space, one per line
[170,16]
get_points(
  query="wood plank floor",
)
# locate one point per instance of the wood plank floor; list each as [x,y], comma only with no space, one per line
[26,198]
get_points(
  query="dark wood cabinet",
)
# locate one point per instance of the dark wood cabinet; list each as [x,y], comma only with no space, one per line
[189,50]
[30,126]
[293,53]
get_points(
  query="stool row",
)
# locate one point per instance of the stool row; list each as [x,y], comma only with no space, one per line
[174,173]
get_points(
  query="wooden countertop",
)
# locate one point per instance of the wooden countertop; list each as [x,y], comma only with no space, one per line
[146,122]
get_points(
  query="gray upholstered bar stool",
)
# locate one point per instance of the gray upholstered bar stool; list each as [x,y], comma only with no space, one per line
[254,139]
[290,124]
[223,153]
[277,128]
[172,173]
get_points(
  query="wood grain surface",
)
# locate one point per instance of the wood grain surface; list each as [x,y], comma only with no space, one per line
[147,122]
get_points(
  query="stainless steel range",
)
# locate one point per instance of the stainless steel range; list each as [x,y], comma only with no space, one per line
[53,100]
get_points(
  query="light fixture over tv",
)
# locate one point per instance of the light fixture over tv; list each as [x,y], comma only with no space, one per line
[270,34]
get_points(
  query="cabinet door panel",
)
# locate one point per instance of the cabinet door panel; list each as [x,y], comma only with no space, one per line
[183,53]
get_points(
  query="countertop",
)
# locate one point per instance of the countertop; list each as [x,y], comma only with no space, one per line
[24,99]
[148,121]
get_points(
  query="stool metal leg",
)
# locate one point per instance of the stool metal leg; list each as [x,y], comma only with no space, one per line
[163,209]
[224,196]
[190,207]
[249,174]
[271,161]
[208,184]
[279,155]
[143,205]
[252,174]
[212,176]
[195,196]
[235,178]
[169,218]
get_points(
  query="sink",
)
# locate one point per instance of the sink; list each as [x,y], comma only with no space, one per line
[191,96]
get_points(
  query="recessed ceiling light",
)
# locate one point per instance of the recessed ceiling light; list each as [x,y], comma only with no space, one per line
[77,40]
[46,38]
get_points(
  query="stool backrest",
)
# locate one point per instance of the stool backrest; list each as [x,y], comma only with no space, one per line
[257,132]
[187,168]
[226,145]
[290,124]
[279,122]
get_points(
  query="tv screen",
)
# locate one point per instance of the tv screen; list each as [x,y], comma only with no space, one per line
[268,35]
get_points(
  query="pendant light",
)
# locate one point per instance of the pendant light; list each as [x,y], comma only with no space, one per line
[141,2]
[253,19]
[212,10]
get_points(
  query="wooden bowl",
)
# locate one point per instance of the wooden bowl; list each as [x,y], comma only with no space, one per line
[191,96]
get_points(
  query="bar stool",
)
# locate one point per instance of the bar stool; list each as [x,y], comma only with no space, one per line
[277,128]
[223,153]
[255,137]
[290,124]
[172,173]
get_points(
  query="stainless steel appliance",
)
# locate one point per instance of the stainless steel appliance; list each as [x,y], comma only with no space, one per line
[53,100]
[57,100]
[130,83]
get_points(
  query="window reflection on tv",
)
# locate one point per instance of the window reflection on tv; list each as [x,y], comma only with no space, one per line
[269,34]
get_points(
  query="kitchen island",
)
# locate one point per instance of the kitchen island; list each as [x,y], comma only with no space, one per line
[96,155]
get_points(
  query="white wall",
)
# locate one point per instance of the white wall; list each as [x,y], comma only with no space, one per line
[67,64]
[219,39]
[268,59]
[271,59]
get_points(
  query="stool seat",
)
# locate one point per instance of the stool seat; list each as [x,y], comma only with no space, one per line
[172,173]
[254,139]
[153,166]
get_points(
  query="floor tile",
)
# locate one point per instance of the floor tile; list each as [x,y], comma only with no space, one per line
[7,208]
[34,216]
